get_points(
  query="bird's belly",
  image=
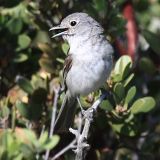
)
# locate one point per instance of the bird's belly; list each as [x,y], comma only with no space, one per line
[84,78]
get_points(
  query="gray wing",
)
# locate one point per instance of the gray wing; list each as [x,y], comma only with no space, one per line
[66,68]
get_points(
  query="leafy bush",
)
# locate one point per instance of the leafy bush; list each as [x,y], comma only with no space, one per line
[127,122]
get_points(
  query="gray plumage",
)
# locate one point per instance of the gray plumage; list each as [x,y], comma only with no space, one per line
[89,60]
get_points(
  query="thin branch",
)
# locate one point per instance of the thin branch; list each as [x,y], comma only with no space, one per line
[82,146]
[70,146]
[54,110]
[81,138]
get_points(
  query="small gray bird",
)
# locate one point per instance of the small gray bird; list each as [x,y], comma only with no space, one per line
[88,64]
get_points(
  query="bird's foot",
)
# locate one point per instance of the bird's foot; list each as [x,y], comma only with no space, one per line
[89,114]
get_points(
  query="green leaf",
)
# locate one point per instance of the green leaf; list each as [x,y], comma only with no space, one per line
[23,41]
[24,84]
[52,142]
[126,70]
[127,126]
[153,40]
[4,112]
[43,138]
[19,156]
[122,63]
[119,92]
[143,105]
[19,58]
[106,105]
[30,135]
[27,151]
[130,95]
[38,82]
[122,68]
[127,80]
[116,77]
[23,109]
[65,48]
[125,129]
[15,25]
[31,111]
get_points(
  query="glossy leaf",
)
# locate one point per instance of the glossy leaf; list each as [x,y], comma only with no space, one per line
[124,129]
[23,109]
[43,138]
[24,41]
[128,126]
[4,111]
[24,84]
[153,40]
[130,95]
[52,142]
[122,68]
[119,92]
[143,105]
[106,105]
[21,57]
[15,25]
[30,135]
[128,80]
[27,151]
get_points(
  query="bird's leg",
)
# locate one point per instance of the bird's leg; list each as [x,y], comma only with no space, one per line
[85,113]
[106,92]
[82,110]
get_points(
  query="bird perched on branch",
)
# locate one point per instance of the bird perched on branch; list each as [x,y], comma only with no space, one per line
[88,63]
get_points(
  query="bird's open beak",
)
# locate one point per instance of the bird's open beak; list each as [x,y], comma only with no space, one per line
[64,31]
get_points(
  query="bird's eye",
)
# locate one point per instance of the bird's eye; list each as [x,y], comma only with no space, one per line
[73,23]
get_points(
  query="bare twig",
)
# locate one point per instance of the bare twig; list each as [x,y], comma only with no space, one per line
[54,110]
[82,146]
[70,146]
[79,144]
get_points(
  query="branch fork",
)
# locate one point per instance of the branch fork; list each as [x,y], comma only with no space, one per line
[79,145]
[81,137]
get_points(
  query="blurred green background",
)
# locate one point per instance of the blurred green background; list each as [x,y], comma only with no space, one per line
[127,125]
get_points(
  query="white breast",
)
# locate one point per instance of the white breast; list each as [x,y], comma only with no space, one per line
[91,64]
[89,71]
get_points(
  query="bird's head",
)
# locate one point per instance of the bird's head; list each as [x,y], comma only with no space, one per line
[77,25]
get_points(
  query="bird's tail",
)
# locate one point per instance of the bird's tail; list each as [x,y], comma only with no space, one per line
[66,113]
